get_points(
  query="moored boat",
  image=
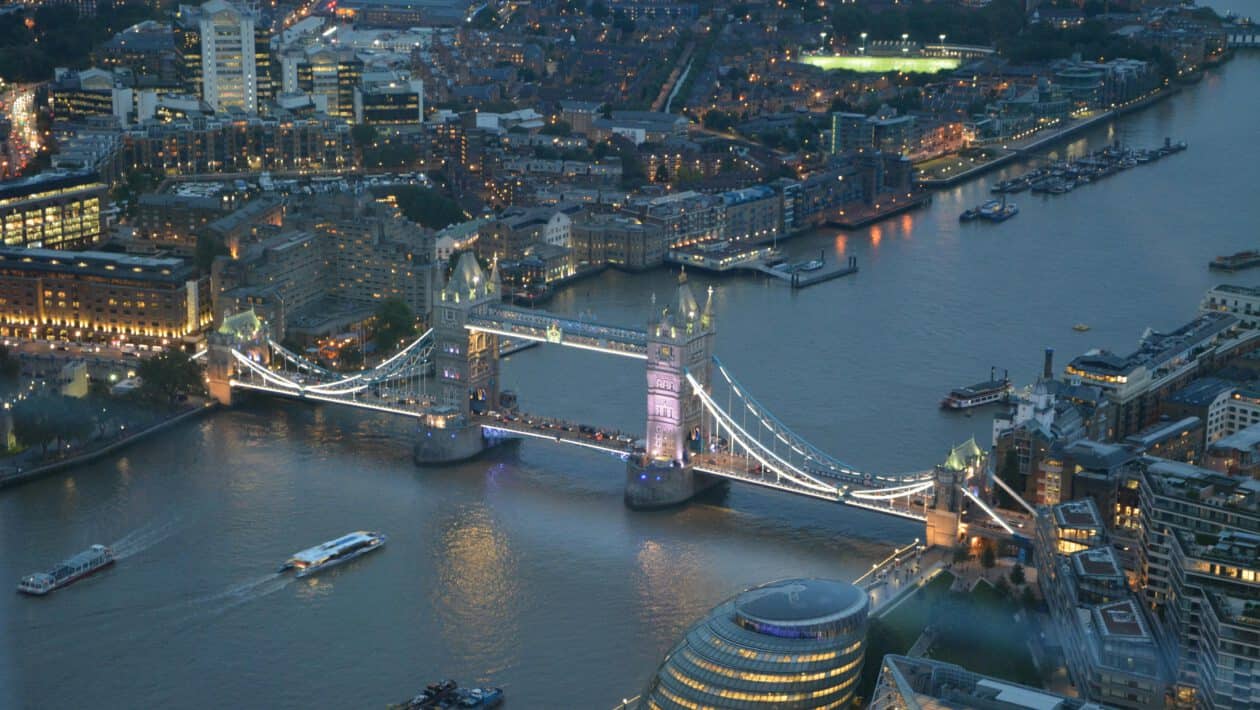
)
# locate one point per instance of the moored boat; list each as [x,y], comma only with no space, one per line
[1080,327]
[73,569]
[334,552]
[979,394]
[1235,262]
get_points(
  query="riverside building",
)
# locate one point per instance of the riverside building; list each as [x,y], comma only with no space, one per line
[796,643]
[98,296]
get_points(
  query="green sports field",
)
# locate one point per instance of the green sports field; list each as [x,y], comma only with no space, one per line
[879,65]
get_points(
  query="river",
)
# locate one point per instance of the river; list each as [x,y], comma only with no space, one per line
[524,569]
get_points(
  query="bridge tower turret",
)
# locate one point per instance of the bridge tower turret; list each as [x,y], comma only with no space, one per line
[679,342]
[466,367]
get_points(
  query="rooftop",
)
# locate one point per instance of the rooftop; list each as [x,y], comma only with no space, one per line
[1122,618]
[1078,514]
[1097,562]
[1201,392]
[97,263]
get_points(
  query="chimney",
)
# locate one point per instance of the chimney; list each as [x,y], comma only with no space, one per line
[1048,371]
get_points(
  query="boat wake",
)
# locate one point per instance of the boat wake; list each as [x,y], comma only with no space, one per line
[145,537]
[218,603]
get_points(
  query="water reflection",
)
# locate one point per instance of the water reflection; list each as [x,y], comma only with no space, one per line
[671,586]
[477,599]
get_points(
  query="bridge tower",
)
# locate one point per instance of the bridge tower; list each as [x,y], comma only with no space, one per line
[466,367]
[244,332]
[679,341]
[945,516]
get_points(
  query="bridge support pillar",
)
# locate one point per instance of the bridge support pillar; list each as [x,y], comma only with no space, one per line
[661,484]
[219,369]
[442,446]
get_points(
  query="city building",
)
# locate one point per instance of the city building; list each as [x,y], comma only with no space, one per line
[240,143]
[1210,399]
[1237,454]
[1163,362]
[1242,301]
[923,684]
[333,74]
[754,214]
[54,210]
[797,643]
[1200,569]
[172,220]
[101,297]
[1113,655]
[229,72]
[517,228]
[389,100]
[618,240]
[884,131]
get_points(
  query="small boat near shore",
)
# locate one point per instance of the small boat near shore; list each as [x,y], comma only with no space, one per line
[93,559]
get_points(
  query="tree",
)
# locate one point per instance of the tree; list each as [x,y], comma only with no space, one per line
[351,357]
[363,134]
[170,374]
[961,554]
[988,556]
[598,10]
[662,174]
[425,206]
[9,365]
[33,423]
[394,323]
[718,120]
[559,128]
[1017,574]
[209,248]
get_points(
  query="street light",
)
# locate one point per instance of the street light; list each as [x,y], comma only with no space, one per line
[863,36]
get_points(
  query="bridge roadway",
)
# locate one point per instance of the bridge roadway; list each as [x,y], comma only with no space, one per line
[561,432]
[546,328]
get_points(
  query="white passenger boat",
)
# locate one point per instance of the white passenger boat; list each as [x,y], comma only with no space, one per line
[81,565]
[333,553]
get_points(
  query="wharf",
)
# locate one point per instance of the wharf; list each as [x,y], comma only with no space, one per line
[801,279]
[856,219]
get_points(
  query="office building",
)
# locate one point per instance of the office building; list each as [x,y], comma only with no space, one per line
[318,71]
[54,210]
[618,240]
[240,143]
[229,75]
[389,100]
[103,297]
[797,643]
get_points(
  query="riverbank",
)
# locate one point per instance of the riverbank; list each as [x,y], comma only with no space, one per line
[19,475]
[1050,138]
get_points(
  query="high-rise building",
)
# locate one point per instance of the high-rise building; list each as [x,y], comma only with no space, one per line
[229,76]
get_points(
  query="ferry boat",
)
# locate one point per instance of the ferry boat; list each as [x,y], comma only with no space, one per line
[979,394]
[81,565]
[1080,327]
[330,554]
[1236,262]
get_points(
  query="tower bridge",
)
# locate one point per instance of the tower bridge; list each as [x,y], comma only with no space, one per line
[703,426]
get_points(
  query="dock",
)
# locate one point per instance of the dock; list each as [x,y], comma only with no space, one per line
[807,279]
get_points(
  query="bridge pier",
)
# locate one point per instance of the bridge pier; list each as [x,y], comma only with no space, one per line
[437,446]
[662,484]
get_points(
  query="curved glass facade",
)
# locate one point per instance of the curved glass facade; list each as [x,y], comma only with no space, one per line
[796,643]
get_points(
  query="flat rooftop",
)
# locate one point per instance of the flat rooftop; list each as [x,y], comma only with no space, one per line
[1122,618]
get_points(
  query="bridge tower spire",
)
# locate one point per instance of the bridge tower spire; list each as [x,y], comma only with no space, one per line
[679,341]
[466,367]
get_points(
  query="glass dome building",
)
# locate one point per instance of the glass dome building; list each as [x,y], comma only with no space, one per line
[797,643]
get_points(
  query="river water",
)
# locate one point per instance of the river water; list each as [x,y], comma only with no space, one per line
[524,569]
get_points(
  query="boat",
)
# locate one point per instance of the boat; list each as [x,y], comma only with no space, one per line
[479,697]
[334,552]
[1080,327]
[94,558]
[1007,211]
[979,394]
[968,215]
[811,265]
[989,207]
[1236,262]
[448,694]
